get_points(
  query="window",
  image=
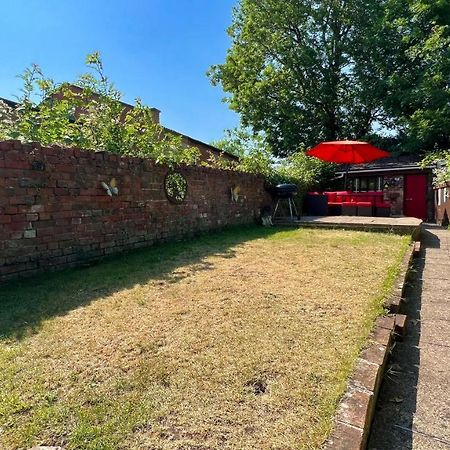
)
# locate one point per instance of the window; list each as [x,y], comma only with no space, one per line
[364,184]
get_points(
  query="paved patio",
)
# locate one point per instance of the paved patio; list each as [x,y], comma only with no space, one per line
[413,410]
[404,225]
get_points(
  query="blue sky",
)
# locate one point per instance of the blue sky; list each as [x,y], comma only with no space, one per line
[158,50]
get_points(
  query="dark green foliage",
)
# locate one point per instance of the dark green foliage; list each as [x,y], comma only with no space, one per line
[305,71]
[297,70]
[415,37]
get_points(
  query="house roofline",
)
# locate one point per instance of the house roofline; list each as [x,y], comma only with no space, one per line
[13,104]
[10,103]
[391,169]
[215,149]
[121,101]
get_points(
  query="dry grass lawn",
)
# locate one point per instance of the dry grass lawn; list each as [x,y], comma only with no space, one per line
[242,339]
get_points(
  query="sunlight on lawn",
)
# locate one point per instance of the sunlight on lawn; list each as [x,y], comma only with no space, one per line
[237,340]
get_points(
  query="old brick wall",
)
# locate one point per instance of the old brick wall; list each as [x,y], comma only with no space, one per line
[54,212]
[394,193]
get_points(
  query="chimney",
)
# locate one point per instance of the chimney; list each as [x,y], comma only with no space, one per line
[155,115]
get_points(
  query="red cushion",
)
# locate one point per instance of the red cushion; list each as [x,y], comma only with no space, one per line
[364,204]
[383,205]
[348,204]
[331,196]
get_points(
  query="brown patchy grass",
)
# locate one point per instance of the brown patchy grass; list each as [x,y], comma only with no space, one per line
[236,340]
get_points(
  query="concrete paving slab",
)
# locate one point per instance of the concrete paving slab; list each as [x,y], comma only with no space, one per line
[432,413]
[436,287]
[440,311]
[435,273]
[424,442]
[401,224]
[408,439]
[413,411]
[433,332]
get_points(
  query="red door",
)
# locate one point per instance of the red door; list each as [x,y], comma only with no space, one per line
[416,196]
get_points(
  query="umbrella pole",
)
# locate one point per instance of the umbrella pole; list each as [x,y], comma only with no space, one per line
[345,177]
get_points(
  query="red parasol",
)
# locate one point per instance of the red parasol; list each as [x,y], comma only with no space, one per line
[347,152]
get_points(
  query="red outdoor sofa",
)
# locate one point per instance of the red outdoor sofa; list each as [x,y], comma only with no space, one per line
[349,203]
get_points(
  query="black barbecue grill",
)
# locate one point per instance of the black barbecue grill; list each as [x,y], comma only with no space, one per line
[286,192]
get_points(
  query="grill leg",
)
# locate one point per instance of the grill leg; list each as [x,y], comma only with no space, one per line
[276,209]
[292,208]
[295,208]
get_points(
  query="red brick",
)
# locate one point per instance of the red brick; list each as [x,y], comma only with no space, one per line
[400,326]
[139,215]
[382,336]
[354,408]
[37,208]
[19,218]
[375,353]
[367,375]
[345,437]
[386,322]
[14,164]
[5,219]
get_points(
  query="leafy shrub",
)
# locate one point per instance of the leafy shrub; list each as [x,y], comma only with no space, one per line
[441,162]
[256,157]
[89,114]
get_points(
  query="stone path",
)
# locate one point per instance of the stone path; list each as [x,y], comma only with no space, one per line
[413,410]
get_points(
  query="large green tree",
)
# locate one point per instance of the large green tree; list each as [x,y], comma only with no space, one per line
[300,70]
[303,71]
[414,37]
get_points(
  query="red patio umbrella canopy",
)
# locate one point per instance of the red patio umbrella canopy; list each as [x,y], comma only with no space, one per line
[347,152]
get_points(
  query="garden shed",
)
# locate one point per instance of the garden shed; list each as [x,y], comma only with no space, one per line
[405,185]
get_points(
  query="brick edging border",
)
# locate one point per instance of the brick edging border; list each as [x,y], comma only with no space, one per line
[356,409]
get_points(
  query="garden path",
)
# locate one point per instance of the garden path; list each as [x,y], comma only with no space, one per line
[413,410]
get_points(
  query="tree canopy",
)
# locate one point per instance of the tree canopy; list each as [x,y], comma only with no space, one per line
[416,71]
[304,71]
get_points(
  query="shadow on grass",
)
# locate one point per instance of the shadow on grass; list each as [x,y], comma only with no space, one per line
[25,304]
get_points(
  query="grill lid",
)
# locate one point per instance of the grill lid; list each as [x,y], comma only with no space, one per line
[286,190]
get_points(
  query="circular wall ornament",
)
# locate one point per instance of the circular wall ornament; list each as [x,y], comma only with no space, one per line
[175,187]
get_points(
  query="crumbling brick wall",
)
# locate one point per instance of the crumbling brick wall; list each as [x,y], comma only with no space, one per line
[54,212]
